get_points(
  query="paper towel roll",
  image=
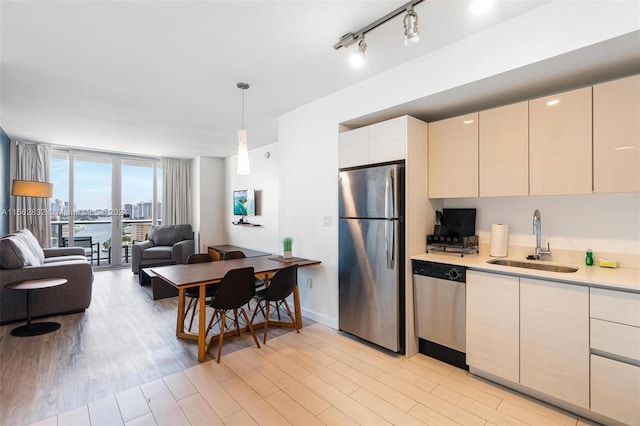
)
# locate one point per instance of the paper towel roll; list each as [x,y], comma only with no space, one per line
[499,239]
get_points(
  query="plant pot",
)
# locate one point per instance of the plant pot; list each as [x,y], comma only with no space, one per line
[287,254]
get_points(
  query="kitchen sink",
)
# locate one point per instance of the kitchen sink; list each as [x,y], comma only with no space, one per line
[532,265]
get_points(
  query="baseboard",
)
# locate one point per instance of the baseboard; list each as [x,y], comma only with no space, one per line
[322,319]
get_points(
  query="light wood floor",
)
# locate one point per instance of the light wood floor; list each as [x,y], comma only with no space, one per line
[124,339]
[320,376]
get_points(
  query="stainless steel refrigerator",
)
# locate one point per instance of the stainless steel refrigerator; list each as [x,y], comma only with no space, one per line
[371,254]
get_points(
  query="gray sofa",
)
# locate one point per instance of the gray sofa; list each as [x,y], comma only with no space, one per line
[20,261]
[165,245]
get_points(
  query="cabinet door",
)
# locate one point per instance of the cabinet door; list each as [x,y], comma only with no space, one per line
[504,151]
[453,157]
[354,147]
[388,140]
[493,335]
[560,144]
[616,135]
[554,339]
[615,389]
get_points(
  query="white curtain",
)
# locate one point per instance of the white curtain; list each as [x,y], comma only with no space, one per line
[34,163]
[176,192]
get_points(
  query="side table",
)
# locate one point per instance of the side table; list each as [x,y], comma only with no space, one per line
[37,328]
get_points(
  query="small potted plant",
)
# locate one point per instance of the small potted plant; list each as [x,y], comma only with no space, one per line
[287,246]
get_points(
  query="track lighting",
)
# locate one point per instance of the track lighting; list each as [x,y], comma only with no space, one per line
[411,33]
[357,57]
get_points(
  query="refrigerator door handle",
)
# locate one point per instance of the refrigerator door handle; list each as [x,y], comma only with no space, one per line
[389,227]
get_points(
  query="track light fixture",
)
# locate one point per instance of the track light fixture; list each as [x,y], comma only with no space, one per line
[357,57]
[410,31]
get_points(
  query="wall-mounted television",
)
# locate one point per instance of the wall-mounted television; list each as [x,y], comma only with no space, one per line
[244,202]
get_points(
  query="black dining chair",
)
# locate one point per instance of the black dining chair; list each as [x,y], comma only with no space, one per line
[281,285]
[193,293]
[233,292]
[237,254]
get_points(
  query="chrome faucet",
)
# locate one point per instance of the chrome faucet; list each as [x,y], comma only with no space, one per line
[537,230]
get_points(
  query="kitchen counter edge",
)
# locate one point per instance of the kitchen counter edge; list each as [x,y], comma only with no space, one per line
[593,276]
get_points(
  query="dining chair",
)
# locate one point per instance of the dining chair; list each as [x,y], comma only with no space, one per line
[193,293]
[281,285]
[233,292]
[237,254]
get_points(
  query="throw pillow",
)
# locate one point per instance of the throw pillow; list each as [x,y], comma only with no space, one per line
[18,249]
[10,258]
[33,244]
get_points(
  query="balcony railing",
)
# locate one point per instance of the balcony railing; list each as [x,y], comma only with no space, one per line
[100,233]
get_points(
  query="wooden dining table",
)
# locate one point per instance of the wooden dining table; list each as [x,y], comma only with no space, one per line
[201,274]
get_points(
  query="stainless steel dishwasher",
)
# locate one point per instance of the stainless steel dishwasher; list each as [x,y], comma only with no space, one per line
[439,306]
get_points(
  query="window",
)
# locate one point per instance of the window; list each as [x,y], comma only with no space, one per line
[87,204]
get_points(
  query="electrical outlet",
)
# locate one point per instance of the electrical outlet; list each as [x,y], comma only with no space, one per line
[309,283]
[326,220]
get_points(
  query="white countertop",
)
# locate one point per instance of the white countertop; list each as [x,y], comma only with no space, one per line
[619,279]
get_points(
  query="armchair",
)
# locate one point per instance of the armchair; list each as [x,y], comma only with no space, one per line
[165,245]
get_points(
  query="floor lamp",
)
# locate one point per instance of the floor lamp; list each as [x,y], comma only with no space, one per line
[33,189]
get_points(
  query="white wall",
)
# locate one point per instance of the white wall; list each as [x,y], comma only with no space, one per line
[309,135]
[208,187]
[264,179]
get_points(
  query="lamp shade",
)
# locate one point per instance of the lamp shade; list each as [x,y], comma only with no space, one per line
[243,153]
[30,188]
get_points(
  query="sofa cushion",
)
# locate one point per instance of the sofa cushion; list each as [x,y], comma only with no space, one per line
[168,235]
[56,259]
[158,252]
[14,253]
[32,243]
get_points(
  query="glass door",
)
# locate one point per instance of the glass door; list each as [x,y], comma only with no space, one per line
[92,206]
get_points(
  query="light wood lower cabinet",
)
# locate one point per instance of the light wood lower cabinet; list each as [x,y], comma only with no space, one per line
[554,339]
[615,389]
[493,335]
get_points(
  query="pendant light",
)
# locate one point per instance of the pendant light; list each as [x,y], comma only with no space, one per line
[243,152]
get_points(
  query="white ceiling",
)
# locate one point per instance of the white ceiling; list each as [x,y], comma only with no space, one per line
[159,77]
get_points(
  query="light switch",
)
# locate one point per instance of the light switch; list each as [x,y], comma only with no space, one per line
[326,220]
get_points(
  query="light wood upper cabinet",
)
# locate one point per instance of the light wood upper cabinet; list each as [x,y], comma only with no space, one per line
[377,143]
[504,151]
[353,148]
[560,143]
[554,339]
[616,135]
[453,157]
[493,318]
[388,140]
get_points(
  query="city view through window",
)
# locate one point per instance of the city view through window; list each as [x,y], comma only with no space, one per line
[91,209]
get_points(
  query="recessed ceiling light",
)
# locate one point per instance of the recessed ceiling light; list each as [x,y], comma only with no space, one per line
[553,102]
[481,6]
[468,121]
